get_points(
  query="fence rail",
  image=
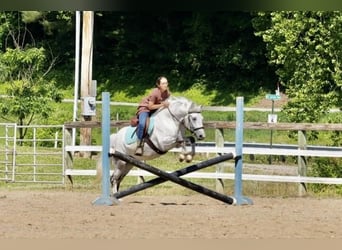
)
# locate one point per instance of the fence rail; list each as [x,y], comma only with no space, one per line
[207,108]
[301,151]
[226,125]
[9,171]
[248,149]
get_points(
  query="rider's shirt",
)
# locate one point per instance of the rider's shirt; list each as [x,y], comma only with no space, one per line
[156,96]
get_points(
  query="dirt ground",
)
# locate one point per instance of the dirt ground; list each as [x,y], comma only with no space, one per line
[71,215]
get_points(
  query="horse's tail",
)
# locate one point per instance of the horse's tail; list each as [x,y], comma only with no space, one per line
[99,168]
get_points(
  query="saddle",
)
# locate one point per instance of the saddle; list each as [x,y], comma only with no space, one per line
[131,135]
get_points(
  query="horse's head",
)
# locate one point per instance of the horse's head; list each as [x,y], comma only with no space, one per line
[194,121]
[189,114]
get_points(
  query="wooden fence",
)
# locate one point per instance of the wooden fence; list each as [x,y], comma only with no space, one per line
[301,152]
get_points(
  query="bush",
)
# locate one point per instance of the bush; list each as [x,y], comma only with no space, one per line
[326,167]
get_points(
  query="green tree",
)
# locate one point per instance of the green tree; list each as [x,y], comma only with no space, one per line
[55,31]
[305,46]
[219,50]
[23,69]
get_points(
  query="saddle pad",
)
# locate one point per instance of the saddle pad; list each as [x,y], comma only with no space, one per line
[131,134]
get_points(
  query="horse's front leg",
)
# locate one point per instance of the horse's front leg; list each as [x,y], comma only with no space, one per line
[185,155]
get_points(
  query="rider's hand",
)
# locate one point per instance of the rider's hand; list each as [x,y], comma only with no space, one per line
[165,104]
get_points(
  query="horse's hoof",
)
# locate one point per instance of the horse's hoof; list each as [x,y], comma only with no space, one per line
[188,158]
[181,157]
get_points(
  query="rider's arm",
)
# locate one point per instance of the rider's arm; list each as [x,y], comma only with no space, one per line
[153,106]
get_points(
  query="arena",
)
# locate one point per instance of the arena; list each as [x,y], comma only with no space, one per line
[71,215]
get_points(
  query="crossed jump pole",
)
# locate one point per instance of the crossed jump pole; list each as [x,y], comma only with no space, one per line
[163,176]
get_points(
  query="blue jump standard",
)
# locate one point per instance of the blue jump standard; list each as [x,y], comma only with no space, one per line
[105,198]
[240,199]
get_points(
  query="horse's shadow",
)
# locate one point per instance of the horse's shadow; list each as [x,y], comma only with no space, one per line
[167,203]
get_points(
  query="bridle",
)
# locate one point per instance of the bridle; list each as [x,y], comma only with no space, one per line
[188,125]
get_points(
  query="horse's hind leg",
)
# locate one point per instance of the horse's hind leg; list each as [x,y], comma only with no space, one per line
[120,171]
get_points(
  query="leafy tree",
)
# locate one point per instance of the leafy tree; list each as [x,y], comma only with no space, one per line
[24,68]
[55,31]
[216,49]
[305,46]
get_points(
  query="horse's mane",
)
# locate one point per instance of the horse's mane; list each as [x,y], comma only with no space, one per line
[193,107]
[173,98]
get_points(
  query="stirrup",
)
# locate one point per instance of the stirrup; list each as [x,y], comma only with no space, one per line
[139,151]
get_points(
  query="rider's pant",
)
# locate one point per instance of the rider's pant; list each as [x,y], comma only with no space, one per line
[141,125]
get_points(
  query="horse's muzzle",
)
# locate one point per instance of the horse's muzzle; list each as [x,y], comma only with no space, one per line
[199,133]
[200,137]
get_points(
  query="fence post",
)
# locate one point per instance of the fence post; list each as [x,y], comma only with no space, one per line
[68,156]
[302,168]
[219,141]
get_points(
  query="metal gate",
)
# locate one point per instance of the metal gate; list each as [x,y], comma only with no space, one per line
[38,157]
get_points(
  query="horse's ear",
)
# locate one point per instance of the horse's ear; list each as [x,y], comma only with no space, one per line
[194,108]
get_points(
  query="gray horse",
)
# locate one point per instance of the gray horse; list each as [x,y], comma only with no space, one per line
[166,131]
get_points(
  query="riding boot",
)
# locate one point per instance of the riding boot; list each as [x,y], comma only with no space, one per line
[140,148]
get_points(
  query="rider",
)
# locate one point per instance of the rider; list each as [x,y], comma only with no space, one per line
[148,105]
